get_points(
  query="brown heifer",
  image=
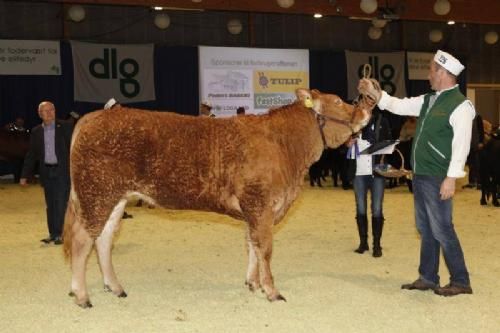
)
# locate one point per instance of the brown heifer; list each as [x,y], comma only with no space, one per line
[250,167]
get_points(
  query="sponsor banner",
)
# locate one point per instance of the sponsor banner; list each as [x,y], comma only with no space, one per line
[267,101]
[102,71]
[387,68]
[419,64]
[279,81]
[29,57]
[257,79]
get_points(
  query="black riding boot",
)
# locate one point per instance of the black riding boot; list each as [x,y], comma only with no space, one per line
[362,222]
[377,226]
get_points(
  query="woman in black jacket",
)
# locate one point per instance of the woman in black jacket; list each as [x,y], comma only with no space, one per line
[365,179]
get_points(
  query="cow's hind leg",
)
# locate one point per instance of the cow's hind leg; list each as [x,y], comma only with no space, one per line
[261,238]
[104,245]
[81,245]
[252,280]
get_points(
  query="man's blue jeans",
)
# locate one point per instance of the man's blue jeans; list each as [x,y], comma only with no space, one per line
[433,217]
[376,186]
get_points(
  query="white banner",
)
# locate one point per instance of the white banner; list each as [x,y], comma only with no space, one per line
[387,68]
[102,71]
[419,64]
[256,79]
[29,57]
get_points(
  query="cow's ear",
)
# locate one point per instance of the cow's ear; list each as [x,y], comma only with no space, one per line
[303,94]
[305,97]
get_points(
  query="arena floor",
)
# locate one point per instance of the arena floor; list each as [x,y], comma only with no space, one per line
[184,272]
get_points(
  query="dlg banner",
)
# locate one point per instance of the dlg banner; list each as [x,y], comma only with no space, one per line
[102,71]
[387,68]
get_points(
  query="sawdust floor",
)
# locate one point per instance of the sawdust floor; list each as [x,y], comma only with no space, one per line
[184,272]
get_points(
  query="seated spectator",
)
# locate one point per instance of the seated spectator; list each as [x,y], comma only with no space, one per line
[17,125]
[240,111]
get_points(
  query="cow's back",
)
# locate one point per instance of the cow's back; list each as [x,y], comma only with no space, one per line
[184,162]
[180,161]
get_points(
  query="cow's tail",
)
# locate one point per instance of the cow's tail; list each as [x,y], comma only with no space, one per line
[69,220]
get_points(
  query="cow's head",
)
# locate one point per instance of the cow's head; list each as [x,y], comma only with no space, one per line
[340,119]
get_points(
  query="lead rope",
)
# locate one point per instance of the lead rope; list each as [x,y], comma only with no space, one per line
[370,100]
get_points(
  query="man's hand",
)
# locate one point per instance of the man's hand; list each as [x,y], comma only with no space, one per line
[447,189]
[366,87]
[23,182]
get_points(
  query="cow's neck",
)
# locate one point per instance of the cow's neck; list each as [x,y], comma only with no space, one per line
[300,135]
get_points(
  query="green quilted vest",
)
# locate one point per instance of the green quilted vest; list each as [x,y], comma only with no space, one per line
[431,151]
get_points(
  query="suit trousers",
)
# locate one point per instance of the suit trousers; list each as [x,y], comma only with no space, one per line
[56,189]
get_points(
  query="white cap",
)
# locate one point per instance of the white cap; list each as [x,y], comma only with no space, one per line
[449,62]
[109,104]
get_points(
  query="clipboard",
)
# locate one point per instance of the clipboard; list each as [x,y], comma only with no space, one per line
[377,146]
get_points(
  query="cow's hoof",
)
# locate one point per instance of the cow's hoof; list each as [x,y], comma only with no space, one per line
[85,305]
[496,204]
[127,215]
[277,297]
[483,203]
[119,294]
[252,286]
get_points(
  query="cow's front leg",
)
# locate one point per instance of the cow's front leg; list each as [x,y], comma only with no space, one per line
[252,279]
[261,237]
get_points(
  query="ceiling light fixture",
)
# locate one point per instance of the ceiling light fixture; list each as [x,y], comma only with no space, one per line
[285,3]
[491,37]
[318,15]
[76,13]
[234,26]
[374,33]
[368,6]
[442,7]
[162,21]
[435,36]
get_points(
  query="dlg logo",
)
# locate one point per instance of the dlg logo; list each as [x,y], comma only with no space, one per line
[383,75]
[108,67]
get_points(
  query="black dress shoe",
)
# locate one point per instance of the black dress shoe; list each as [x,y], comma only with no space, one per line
[58,241]
[47,240]
[419,285]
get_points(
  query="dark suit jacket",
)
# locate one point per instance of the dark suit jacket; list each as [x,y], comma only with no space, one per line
[36,153]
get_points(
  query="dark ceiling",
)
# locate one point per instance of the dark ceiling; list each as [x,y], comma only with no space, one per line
[462,11]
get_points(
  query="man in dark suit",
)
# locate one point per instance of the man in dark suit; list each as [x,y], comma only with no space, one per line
[49,148]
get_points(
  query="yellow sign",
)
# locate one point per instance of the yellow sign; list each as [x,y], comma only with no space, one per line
[279,81]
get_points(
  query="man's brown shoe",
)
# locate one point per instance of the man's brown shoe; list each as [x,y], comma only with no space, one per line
[419,285]
[452,290]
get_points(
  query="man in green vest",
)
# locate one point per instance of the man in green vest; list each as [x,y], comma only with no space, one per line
[439,153]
